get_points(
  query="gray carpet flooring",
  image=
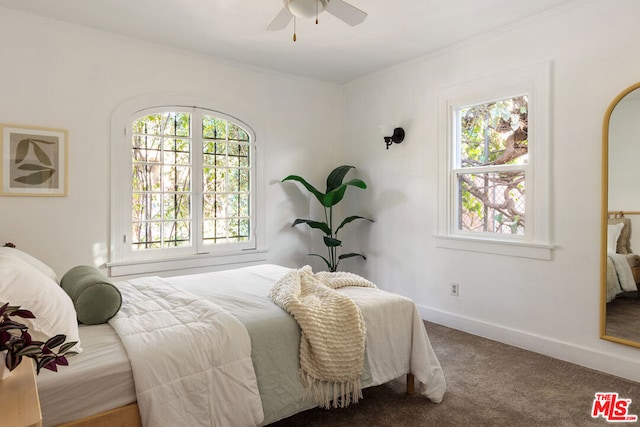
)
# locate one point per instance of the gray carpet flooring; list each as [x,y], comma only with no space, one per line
[488,384]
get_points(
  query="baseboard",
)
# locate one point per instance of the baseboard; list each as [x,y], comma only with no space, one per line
[605,362]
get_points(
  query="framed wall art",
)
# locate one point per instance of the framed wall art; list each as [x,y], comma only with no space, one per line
[33,161]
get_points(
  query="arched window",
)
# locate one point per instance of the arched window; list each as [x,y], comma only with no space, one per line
[183,185]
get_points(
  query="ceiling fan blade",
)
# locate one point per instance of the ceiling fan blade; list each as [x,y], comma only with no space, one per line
[281,20]
[345,12]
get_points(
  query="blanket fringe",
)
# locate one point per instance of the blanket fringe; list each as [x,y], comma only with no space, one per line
[330,394]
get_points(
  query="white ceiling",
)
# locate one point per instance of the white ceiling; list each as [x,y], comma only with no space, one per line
[394,31]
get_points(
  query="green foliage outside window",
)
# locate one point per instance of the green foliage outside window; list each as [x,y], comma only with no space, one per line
[162,187]
[493,148]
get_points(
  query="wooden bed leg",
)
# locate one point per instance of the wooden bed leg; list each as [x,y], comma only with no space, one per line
[410,384]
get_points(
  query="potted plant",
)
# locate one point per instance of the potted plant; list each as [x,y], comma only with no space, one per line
[16,343]
[332,196]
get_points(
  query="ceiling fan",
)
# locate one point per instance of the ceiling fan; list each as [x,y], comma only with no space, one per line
[308,8]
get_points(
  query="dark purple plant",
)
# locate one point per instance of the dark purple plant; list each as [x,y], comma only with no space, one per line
[15,339]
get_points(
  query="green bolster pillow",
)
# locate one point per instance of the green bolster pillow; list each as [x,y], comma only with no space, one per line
[95,298]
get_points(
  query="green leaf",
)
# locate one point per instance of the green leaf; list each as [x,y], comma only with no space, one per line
[32,167]
[41,155]
[356,183]
[67,346]
[30,350]
[334,196]
[25,314]
[47,362]
[4,308]
[309,187]
[36,178]
[334,180]
[21,150]
[349,219]
[41,141]
[351,255]
[331,242]
[12,360]
[313,224]
[55,341]
[12,325]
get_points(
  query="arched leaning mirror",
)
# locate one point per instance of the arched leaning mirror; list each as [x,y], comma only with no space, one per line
[620,246]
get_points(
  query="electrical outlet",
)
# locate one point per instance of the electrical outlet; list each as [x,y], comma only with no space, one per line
[455,289]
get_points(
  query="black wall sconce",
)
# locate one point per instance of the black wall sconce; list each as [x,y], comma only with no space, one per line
[397,137]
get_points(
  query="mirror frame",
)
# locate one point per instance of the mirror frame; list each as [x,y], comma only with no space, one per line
[604,220]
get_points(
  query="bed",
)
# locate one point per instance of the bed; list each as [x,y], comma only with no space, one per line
[623,266]
[99,386]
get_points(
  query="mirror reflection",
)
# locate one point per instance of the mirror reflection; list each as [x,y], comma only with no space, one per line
[621,305]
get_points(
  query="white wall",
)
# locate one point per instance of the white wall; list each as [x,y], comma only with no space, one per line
[546,306]
[61,76]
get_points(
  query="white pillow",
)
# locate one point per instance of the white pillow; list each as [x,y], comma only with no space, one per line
[34,262]
[24,285]
[613,233]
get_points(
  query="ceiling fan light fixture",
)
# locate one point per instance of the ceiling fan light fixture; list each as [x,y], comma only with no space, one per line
[305,8]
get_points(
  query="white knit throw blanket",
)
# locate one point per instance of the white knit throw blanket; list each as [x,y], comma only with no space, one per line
[333,333]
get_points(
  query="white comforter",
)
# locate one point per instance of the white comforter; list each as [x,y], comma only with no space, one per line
[619,276]
[191,359]
[396,340]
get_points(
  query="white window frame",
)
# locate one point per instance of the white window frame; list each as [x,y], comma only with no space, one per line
[533,81]
[124,260]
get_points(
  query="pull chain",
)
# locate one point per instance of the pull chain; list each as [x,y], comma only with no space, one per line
[316,12]
[294,28]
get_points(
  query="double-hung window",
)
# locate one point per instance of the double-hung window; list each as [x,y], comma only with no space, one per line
[491,167]
[494,163]
[184,186]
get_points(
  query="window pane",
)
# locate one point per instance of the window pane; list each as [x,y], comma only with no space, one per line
[243,208]
[176,233]
[177,124]
[243,161]
[208,230]
[146,178]
[221,205]
[213,127]
[208,159]
[139,233]
[176,151]
[147,235]
[214,180]
[150,125]
[177,206]
[239,230]
[149,156]
[146,142]
[238,205]
[494,133]
[176,178]
[208,209]
[220,229]
[238,180]
[492,202]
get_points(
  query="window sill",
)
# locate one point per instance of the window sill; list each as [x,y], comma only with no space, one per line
[540,251]
[149,266]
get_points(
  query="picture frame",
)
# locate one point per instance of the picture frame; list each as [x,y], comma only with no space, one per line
[33,161]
